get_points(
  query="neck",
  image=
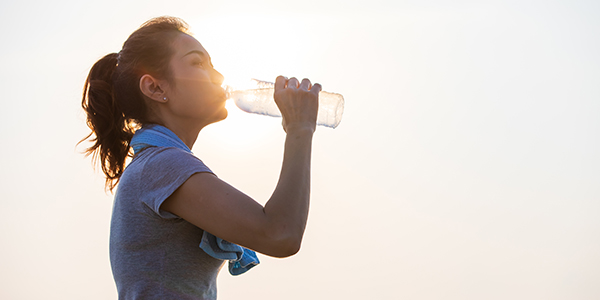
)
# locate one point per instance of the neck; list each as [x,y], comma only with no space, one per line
[186,131]
[186,128]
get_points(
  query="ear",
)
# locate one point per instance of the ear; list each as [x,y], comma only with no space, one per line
[152,88]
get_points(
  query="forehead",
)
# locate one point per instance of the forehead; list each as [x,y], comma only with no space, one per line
[185,43]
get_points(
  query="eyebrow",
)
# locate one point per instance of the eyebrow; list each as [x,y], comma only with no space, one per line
[197,52]
[202,54]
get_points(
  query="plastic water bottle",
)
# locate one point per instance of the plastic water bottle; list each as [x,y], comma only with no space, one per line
[259,100]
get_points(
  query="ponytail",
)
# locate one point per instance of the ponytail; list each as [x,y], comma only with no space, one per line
[112,99]
[111,129]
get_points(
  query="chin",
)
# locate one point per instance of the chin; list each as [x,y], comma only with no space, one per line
[225,114]
[221,115]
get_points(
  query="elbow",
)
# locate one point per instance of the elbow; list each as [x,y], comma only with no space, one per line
[283,250]
[289,249]
[284,244]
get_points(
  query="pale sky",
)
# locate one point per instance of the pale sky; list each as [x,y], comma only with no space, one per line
[466,165]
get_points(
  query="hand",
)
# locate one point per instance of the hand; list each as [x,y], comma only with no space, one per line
[298,103]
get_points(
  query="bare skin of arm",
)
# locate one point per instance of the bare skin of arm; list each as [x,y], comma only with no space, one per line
[277,228]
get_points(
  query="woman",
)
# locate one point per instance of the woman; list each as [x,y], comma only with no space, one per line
[174,222]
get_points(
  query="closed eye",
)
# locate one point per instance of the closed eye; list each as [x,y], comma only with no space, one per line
[199,63]
[200,59]
[203,64]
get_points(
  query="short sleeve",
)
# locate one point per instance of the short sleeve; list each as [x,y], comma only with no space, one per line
[164,171]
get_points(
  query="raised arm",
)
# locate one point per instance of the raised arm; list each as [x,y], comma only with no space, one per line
[277,228]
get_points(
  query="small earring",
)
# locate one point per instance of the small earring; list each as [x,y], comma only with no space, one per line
[165,98]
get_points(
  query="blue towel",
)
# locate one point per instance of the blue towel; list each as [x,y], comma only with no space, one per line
[240,259]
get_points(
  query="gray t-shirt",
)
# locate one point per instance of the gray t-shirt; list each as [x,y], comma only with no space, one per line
[155,254]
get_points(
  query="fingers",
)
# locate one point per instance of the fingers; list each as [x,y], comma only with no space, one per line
[292,83]
[305,84]
[316,89]
[280,82]
[297,101]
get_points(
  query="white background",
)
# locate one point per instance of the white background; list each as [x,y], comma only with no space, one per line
[465,167]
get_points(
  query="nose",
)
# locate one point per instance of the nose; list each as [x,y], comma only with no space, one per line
[216,77]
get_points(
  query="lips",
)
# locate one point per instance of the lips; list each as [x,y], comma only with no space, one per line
[221,95]
[224,93]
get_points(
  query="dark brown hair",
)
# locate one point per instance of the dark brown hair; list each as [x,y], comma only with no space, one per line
[112,99]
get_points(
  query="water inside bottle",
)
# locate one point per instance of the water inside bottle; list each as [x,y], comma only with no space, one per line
[258,99]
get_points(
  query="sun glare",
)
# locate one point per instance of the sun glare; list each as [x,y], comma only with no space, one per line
[241,52]
[241,129]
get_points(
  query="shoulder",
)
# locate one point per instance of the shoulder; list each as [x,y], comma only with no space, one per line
[156,172]
[158,167]
[166,153]
[169,159]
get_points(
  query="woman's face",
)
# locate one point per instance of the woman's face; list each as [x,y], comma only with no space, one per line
[195,91]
